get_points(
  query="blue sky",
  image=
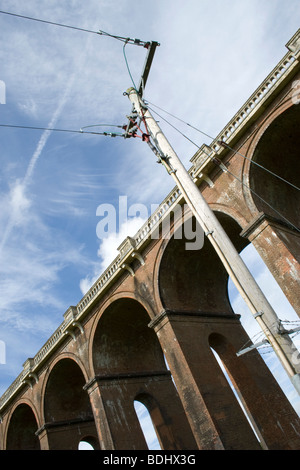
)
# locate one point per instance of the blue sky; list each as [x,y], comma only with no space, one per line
[212,56]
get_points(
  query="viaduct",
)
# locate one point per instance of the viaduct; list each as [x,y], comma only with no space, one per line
[158,303]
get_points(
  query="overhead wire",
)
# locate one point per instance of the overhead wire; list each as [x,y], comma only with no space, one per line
[207,135]
[222,143]
[179,119]
[127,40]
[128,68]
[113,134]
[135,41]
[254,340]
[264,201]
[49,22]
[229,172]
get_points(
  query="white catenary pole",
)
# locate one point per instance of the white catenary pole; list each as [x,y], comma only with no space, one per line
[233,263]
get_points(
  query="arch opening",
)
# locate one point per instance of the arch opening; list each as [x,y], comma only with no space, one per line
[88,443]
[205,292]
[130,367]
[147,425]
[221,352]
[67,408]
[196,280]
[65,398]
[123,342]
[22,428]
[278,152]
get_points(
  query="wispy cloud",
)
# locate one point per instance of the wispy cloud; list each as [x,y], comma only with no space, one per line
[18,200]
[30,273]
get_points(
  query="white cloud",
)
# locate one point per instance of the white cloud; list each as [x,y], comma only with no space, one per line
[108,250]
[30,273]
[18,202]
[108,247]
[14,210]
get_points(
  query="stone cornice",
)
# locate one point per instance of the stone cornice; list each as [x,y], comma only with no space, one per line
[260,222]
[184,315]
[98,379]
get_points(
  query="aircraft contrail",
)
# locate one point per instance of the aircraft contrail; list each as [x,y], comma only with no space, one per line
[21,186]
[46,133]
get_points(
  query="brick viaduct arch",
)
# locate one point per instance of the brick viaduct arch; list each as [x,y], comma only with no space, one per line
[274,203]
[149,328]
[22,424]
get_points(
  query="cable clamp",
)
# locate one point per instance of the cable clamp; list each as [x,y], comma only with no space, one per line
[164,159]
[145,137]
[258,314]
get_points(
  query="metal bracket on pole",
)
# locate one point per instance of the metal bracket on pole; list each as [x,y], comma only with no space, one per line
[283,331]
[147,65]
[163,159]
[250,348]
[144,77]
[258,314]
